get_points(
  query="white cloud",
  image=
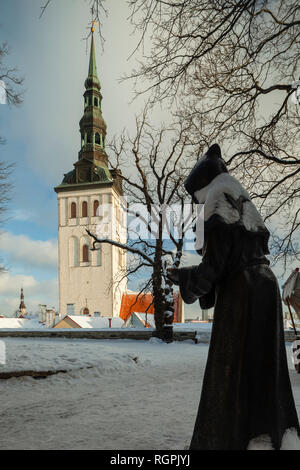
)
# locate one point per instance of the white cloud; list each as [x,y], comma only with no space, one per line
[9,284]
[34,253]
[35,291]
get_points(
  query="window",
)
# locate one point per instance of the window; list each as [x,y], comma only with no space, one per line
[85,254]
[97,139]
[70,309]
[73,210]
[89,138]
[84,211]
[95,102]
[96,205]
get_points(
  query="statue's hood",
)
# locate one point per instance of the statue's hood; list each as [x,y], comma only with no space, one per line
[206,169]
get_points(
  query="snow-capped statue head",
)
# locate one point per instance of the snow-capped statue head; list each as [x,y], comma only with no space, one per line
[206,169]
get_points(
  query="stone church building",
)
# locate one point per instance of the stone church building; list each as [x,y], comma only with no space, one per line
[90,197]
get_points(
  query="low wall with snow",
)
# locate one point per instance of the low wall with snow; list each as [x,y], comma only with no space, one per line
[198,335]
[109,333]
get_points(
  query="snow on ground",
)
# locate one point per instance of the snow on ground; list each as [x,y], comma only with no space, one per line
[119,394]
[205,326]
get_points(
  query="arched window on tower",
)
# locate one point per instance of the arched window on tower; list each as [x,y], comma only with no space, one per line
[73,210]
[84,211]
[96,102]
[89,138]
[96,205]
[97,138]
[85,254]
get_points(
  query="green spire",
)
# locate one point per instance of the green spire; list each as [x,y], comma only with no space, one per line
[92,65]
[92,125]
[92,80]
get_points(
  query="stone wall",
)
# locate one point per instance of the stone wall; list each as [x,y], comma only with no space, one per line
[114,333]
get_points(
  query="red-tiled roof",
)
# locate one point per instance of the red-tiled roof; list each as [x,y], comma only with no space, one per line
[131,303]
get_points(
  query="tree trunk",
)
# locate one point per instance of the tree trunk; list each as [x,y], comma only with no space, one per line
[163,325]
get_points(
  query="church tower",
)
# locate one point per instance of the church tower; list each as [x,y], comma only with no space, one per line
[89,197]
[22,307]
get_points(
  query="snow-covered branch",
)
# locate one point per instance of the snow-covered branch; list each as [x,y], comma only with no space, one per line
[123,246]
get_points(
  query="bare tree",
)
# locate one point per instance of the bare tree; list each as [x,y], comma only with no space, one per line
[152,175]
[11,93]
[5,190]
[231,68]
[96,7]
[97,10]
[10,81]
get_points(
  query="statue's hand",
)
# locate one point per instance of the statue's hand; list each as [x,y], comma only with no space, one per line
[173,275]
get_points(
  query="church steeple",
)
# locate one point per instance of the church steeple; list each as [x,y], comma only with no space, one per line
[84,274]
[92,124]
[92,81]
[92,65]
[92,164]
[22,307]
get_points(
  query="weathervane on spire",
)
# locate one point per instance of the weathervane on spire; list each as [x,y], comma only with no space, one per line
[94,23]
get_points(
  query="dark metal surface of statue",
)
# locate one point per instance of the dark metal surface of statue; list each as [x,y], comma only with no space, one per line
[246,389]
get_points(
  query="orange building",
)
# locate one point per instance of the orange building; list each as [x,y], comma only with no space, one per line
[132,303]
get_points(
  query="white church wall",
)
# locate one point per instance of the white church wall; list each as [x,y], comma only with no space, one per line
[87,283]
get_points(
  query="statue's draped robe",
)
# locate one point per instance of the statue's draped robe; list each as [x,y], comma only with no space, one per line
[246,389]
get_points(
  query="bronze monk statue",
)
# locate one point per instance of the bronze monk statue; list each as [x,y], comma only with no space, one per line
[246,389]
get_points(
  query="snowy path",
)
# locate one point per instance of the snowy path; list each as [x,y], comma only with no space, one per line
[118,402]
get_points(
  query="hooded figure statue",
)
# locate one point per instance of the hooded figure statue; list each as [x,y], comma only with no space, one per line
[246,389]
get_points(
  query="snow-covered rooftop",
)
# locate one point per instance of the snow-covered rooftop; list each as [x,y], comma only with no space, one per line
[146,317]
[28,323]
[96,322]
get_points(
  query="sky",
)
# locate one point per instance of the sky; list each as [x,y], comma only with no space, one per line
[42,135]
